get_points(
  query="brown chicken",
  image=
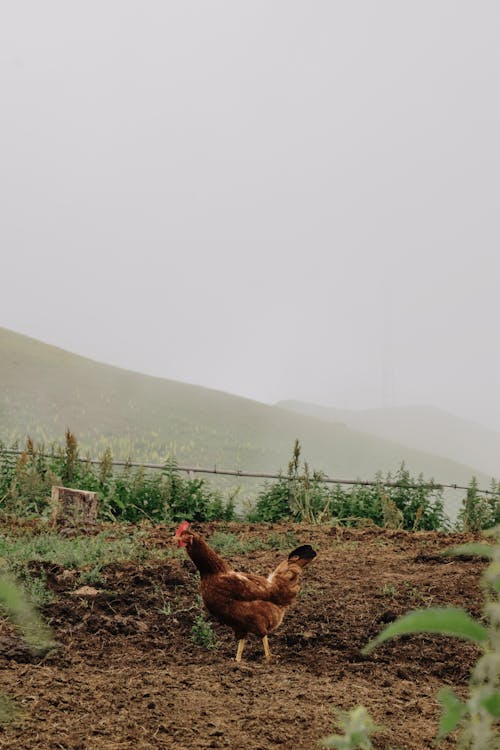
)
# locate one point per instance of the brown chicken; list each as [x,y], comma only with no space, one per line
[245,602]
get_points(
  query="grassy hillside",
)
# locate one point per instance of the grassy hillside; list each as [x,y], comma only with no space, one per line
[45,389]
[420,427]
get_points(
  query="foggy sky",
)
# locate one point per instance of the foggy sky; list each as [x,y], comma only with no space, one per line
[275,198]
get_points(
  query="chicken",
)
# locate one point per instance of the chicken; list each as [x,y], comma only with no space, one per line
[245,602]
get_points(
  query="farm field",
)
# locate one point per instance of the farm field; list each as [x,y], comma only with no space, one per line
[127,673]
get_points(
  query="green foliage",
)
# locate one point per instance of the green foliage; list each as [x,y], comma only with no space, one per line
[231,544]
[474,548]
[357,727]
[70,463]
[202,633]
[445,620]
[192,499]
[479,511]
[36,588]
[389,589]
[7,709]
[301,495]
[286,542]
[26,480]
[135,493]
[478,716]
[92,576]
[273,503]
[452,712]
[127,494]
[21,612]
[79,552]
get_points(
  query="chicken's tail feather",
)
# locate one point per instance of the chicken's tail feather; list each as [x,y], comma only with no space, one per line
[305,552]
[286,577]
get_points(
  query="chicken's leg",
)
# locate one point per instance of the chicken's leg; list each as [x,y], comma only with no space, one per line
[267,650]
[241,646]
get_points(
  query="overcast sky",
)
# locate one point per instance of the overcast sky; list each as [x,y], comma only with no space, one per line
[279,199]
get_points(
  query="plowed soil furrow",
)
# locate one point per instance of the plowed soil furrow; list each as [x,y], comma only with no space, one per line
[127,674]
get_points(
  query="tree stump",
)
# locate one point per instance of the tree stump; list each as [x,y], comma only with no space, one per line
[73,509]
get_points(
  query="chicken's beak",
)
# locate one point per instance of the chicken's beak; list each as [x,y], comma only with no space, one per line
[180,542]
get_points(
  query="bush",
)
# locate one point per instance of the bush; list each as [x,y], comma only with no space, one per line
[192,499]
[302,495]
[127,494]
[202,633]
[273,503]
[478,717]
[479,511]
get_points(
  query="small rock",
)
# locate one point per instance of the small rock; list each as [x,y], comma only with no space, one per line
[85,591]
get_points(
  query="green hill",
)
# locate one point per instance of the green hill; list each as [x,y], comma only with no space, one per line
[420,427]
[44,390]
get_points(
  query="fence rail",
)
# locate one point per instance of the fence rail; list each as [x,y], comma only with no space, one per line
[264,475]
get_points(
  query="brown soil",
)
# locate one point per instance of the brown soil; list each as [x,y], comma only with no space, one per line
[128,676]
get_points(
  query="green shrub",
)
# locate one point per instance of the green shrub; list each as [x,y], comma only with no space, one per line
[192,499]
[19,609]
[126,494]
[479,511]
[478,717]
[273,503]
[202,633]
[357,727]
[302,495]
[21,612]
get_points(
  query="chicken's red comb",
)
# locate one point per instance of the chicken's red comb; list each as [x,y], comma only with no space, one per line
[184,526]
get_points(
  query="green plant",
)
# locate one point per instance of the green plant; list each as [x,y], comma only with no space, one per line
[418,596]
[231,544]
[20,610]
[272,503]
[389,589]
[166,609]
[300,495]
[92,576]
[479,511]
[308,590]
[7,709]
[202,633]
[397,502]
[357,727]
[346,546]
[69,457]
[191,499]
[36,588]
[126,494]
[479,714]
[79,552]
[26,480]
[285,541]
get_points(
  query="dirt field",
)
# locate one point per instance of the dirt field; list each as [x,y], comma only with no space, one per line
[127,675]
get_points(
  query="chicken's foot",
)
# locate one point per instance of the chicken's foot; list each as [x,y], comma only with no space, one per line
[241,646]
[267,650]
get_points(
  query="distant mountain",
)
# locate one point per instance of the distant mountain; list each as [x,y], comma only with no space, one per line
[420,427]
[44,389]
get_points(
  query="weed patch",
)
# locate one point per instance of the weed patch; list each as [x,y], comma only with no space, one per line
[202,633]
